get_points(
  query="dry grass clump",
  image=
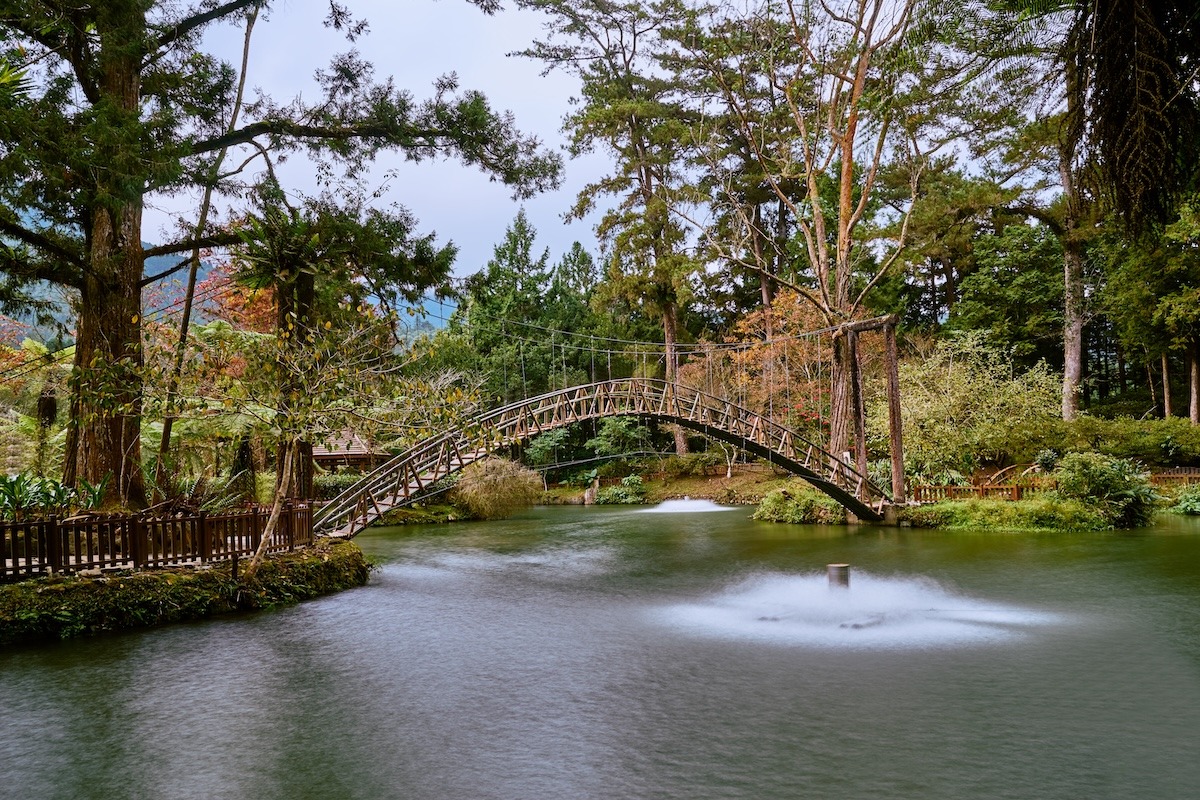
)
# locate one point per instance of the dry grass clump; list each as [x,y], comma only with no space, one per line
[495,488]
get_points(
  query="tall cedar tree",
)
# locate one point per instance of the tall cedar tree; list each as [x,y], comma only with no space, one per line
[625,107]
[120,103]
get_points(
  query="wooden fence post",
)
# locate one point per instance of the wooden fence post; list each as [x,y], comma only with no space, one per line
[291,529]
[205,538]
[54,550]
[133,530]
[256,530]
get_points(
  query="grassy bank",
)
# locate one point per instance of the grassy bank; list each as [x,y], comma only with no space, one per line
[61,608]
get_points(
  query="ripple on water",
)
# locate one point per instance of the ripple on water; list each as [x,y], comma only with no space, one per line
[876,612]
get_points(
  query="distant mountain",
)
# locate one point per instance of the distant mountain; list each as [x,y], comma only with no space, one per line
[59,299]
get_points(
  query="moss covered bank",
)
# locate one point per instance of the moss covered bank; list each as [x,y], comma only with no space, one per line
[61,608]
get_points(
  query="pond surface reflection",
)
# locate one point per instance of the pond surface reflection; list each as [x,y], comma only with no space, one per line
[608,653]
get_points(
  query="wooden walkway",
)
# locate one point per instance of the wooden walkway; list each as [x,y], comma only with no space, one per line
[412,475]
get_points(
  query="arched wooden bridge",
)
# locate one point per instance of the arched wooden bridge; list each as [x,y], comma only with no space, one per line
[411,475]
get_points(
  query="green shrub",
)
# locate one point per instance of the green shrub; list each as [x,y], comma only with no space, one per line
[800,505]
[494,488]
[580,479]
[926,516]
[691,464]
[630,491]
[1047,459]
[1188,501]
[964,406]
[1119,487]
[328,485]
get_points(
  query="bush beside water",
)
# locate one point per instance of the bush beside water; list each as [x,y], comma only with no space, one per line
[1095,492]
[1188,501]
[800,505]
[1120,487]
[631,491]
[65,607]
[1048,512]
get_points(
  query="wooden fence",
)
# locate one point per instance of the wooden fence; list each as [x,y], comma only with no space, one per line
[134,541]
[1179,476]
[1000,491]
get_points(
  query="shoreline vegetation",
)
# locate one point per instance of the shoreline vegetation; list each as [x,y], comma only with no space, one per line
[65,607]
[1096,493]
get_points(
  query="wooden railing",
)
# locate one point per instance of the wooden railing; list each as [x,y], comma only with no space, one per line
[135,541]
[999,491]
[1176,476]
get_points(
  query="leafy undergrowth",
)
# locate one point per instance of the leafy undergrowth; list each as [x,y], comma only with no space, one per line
[65,607]
[1046,513]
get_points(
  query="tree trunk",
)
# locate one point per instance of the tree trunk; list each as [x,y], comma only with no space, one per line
[1194,382]
[839,402]
[857,406]
[670,338]
[291,451]
[1072,249]
[108,360]
[1150,385]
[1166,386]
[1072,328]
[108,343]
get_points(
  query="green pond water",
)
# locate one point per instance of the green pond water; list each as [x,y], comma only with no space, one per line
[622,653]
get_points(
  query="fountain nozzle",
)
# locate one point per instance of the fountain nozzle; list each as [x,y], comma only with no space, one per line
[839,576]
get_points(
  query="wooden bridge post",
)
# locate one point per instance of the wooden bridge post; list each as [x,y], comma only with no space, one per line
[857,407]
[895,423]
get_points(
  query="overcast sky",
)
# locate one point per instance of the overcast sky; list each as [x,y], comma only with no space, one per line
[416,41]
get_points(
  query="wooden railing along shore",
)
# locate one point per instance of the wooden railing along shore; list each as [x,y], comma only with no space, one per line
[139,541]
[1178,476]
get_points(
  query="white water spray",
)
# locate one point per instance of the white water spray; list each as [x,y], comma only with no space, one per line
[878,612]
[685,506]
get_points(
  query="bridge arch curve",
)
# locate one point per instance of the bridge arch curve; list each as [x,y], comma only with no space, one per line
[410,476]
